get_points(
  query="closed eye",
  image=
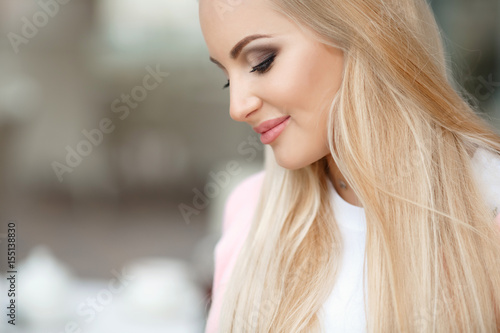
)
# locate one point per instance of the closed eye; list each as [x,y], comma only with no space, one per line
[261,68]
[265,65]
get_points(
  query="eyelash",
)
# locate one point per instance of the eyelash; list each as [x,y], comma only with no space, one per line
[260,68]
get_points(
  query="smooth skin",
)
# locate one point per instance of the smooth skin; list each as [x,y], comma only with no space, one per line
[278,70]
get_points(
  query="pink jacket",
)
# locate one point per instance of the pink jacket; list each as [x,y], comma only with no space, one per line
[238,214]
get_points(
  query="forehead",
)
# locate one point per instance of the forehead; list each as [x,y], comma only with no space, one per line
[225,22]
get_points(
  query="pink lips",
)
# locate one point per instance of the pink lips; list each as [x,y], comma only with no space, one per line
[271,129]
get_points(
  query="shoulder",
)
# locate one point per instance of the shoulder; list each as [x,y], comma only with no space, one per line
[486,168]
[243,199]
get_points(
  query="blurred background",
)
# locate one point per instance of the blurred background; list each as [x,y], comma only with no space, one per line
[117,154]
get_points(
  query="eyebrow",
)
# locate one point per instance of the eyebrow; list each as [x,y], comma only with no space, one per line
[235,52]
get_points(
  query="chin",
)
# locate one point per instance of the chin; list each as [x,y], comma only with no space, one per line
[295,159]
[289,162]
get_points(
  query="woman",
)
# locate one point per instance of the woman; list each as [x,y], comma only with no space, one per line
[376,209]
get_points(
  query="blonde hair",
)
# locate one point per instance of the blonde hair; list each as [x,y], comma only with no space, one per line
[403,138]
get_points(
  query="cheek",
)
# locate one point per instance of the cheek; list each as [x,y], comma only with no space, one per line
[306,95]
[292,88]
[315,88]
[306,80]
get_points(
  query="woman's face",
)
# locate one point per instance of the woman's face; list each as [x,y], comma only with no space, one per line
[279,72]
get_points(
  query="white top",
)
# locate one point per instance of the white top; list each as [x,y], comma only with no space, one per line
[344,310]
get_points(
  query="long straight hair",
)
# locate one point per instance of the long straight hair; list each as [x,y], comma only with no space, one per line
[403,137]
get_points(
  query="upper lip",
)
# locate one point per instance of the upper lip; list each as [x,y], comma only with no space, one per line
[268,124]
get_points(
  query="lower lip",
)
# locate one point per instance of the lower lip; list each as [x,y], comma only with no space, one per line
[273,133]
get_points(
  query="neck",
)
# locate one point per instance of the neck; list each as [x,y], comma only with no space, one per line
[340,184]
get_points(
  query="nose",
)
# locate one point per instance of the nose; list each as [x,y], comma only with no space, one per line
[243,102]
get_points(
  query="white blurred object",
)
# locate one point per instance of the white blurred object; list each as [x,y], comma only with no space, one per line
[163,288]
[45,289]
[161,297]
[486,168]
[20,94]
[130,24]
